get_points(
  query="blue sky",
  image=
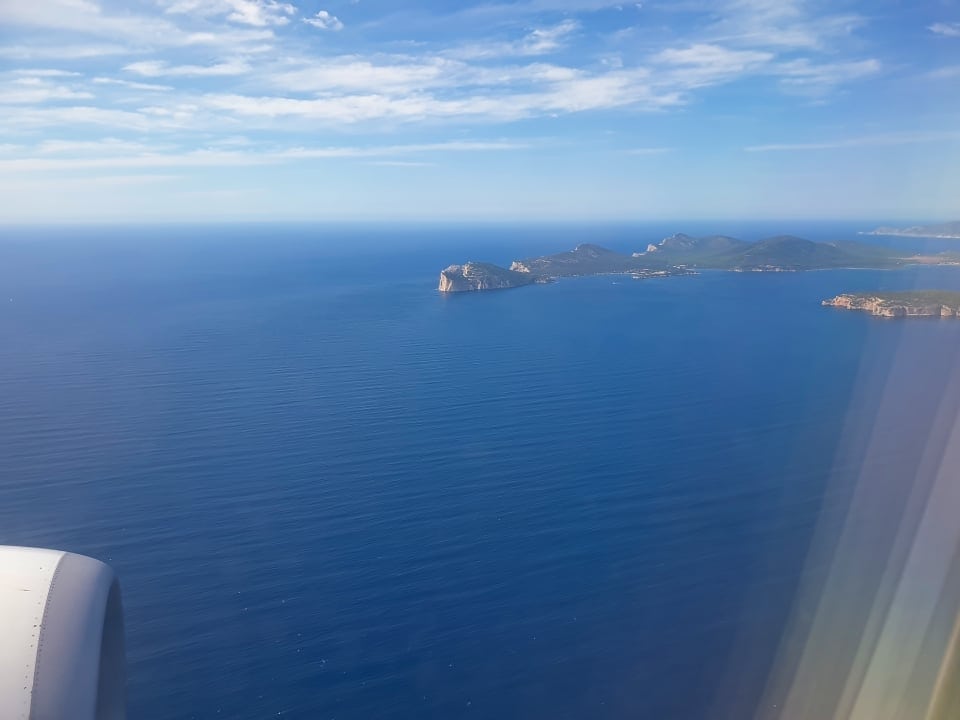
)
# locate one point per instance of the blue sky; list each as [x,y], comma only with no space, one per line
[533,109]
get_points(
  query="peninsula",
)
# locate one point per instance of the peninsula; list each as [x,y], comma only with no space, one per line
[682,255]
[914,303]
[943,231]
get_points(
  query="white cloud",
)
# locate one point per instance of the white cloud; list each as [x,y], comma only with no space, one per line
[32,118]
[84,18]
[576,93]
[79,184]
[887,139]
[400,163]
[805,76]
[118,154]
[944,73]
[786,24]
[159,68]
[61,52]
[712,55]
[256,13]
[401,74]
[390,74]
[81,16]
[706,64]
[37,90]
[545,40]
[949,29]
[105,146]
[151,87]
[703,65]
[44,72]
[540,41]
[325,21]
[610,90]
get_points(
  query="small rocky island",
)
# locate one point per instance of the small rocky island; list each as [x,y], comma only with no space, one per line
[915,303]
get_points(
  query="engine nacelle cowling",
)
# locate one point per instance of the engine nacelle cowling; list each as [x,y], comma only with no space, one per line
[62,647]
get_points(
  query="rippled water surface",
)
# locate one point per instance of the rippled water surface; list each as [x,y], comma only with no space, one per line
[331,492]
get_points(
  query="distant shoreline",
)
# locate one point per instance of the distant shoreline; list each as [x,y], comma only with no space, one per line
[907,233]
[682,254]
[938,231]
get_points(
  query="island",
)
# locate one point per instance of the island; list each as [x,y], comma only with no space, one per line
[914,303]
[682,254]
[943,231]
[482,276]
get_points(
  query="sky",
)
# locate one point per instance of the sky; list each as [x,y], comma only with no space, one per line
[183,110]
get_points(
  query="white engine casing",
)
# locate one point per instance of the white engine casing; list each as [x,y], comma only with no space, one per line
[61,637]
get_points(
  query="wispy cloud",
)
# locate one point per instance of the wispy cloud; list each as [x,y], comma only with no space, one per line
[887,139]
[814,78]
[61,51]
[391,74]
[38,90]
[949,29]
[649,151]
[574,94]
[98,148]
[118,154]
[48,185]
[400,163]
[74,117]
[257,13]
[702,64]
[323,20]
[786,24]
[539,41]
[44,73]
[133,85]
[159,68]
[944,73]
[86,18]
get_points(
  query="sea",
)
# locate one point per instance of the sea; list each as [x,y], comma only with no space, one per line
[331,492]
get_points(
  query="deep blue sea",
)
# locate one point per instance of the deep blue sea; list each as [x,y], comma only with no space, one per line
[331,492]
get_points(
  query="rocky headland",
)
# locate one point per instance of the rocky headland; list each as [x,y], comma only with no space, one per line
[918,303]
[482,276]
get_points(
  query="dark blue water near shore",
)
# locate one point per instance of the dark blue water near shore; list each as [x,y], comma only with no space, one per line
[331,492]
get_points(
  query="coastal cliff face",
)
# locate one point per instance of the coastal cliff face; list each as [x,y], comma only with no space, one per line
[481,276]
[892,308]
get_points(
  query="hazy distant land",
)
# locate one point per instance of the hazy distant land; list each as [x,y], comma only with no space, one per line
[943,231]
[683,255]
[914,303]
